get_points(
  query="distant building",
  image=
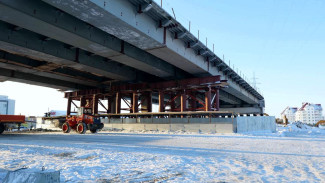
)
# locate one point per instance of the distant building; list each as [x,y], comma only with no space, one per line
[290,113]
[7,106]
[309,113]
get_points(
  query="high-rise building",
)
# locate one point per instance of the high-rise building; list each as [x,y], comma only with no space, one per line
[309,113]
[290,113]
[7,106]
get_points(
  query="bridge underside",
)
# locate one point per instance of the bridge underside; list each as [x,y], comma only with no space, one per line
[44,44]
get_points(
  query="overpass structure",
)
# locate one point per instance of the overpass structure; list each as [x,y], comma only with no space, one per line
[109,49]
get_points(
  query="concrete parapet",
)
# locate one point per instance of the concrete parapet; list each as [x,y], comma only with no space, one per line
[255,123]
[205,125]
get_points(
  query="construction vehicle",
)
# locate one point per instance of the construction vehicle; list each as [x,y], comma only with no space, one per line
[320,123]
[7,120]
[83,121]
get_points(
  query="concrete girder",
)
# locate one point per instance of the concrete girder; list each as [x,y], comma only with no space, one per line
[44,19]
[27,43]
[39,80]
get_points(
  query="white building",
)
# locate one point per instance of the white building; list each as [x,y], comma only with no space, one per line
[290,113]
[309,113]
[7,106]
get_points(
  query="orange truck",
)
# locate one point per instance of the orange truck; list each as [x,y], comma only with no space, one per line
[10,119]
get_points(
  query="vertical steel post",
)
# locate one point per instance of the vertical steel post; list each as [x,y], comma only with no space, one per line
[95,104]
[149,101]
[135,98]
[161,101]
[109,107]
[82,101]
[183,101]
[131,99]
[146,102]
[112,104]
[208,99]
[69,106]
[118,103]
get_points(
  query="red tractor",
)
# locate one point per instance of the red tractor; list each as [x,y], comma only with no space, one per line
[82,122]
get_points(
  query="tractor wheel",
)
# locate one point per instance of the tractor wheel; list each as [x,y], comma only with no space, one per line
[66,128]
[81,128]
[2,128]
[93,131]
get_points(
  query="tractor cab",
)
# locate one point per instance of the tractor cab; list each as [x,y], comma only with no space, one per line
[83,121]
[84,111]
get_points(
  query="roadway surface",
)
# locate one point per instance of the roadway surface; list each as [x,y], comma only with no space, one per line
[130,157]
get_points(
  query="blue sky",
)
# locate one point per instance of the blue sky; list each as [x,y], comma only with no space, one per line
[282,41]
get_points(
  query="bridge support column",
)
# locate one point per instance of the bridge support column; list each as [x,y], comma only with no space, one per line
[118,98]
[161,101]
[183,101]
[208,99]
[95,104]
[146,102]
[82,101]
[134,103]
[111,104]
[69,106]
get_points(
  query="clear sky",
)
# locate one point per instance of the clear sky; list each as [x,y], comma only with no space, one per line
[281,41]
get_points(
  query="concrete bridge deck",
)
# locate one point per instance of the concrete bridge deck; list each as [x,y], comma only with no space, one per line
[93,43]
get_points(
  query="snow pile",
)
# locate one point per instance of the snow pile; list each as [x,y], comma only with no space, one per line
[299,126]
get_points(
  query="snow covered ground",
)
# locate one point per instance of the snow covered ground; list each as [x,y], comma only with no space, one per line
[291,155]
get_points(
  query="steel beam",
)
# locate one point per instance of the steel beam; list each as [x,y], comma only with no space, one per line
[183,102]
[135,102]
[161,97]
[95,105]
[118,98]
[69,106]
[47,20]
[16,62]
[39,80]
[146,102]
[30,44]
[208,99]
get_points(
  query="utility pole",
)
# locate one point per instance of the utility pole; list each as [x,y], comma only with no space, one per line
[254,81]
